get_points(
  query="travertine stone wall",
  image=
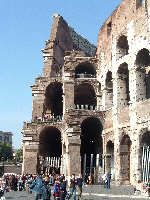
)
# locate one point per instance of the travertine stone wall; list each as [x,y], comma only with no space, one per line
[121,117]
[133,23]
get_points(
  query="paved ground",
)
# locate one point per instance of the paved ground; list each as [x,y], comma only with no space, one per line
[89,193]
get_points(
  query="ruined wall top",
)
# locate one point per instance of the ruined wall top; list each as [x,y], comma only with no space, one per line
[117,22]
[62,38]
[82,44]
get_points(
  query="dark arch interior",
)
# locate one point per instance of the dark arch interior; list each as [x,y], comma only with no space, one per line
[85,95]
[85,68]
[122,46]
[143,63]
[91,139]
[109,160]
[145,139]
[124,76]
[143,58]
[123,42]
[125,149]
[110,147]
[50,142]
[91,144]
[109,83]
[54,99]
[125,140]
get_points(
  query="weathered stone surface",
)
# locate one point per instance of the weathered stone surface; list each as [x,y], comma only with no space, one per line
[115,84]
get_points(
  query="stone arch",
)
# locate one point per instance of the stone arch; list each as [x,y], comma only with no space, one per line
[144,155]
[123,85]
[50,149]
[142,64]
[85,70]
[91,144]
[139,3]
[125,151]
[53,103]
[122,47]
[85,95]
[109,89]
[110,157]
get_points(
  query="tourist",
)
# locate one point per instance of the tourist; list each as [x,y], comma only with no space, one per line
[108,180]
[36,186]
[51,179]
[72,187]
[57,189]
[23,181]
[79,186]
[104,180]
[2,187]
[46,191]
[63,187]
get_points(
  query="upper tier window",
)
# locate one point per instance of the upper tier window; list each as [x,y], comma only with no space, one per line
[139,3]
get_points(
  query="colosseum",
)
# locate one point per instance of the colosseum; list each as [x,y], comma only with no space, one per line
[90,111]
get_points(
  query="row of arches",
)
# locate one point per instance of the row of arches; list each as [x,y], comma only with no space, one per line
[50,145]
[84,94]
[142,64]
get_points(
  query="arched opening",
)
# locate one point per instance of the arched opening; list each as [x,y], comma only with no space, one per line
[145,156]
[143,74]
[85,96]
[110,158]
[123,85]
[125,150]
[85,70]
[122,46]
[139,3]
[53,100]
[109,89]
[50,150]
[91,145]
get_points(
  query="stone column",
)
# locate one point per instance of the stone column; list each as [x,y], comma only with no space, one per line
[133,97]
[117,167]
[136,158]
[74,155]
[37,105]
[30,160]
[68,98]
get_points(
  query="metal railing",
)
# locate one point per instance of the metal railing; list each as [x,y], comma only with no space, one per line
[85,76]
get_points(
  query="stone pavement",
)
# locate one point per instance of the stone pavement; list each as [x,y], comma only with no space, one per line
[98,192]
[94,192]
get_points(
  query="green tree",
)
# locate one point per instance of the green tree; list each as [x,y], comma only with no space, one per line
[19,155]
[5,151]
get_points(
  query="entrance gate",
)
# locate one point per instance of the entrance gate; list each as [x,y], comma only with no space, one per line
[50,165]
[91,164]
[145,163]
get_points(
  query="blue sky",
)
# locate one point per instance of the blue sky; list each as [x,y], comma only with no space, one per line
[24,27]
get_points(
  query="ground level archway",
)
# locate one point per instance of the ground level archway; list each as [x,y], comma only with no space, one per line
[50,150]
[91,146]
[110,158]
[125,150]
[145,157]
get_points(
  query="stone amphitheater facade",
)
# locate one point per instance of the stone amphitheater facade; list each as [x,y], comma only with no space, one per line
[90,110]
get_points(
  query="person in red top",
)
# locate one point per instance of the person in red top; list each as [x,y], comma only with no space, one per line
[23,181]
[57,189]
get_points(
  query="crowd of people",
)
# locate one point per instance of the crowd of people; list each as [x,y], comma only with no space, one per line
[48,187]
[44,187]
[142,187]
[48,118]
